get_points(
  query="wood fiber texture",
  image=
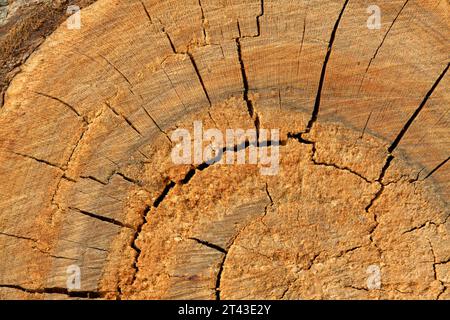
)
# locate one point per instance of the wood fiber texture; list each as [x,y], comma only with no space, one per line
[87,177]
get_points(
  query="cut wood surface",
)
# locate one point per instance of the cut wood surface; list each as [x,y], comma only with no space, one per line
[87,177]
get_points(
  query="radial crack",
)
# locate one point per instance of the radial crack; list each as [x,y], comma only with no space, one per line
[17,236]
[203,21]
[440,165]
[146,12]
[382,42]
[102,218]
[249,103]
[315,112]
[258,22]
[417,111]
[209,245]
[200,79]
[46,162]
[117,70]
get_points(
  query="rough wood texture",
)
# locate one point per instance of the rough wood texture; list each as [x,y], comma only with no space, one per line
[87,178]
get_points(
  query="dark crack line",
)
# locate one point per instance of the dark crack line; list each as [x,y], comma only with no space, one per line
[236,148]
[426,223]
[315,112]
[301,45]
[163,30]
[102,218]
[147,210]
[117,113]
[130,87]
[434,265]
[249,103]
[146,12]
[48,163]
[189,175]
[300,139]
[94,179]
[203,21]
[131,180]
[70,107]
[76,147]
[117,70]
[397,140]
[209,245]
[436,168]
[84,245]
[219,277]
[365,125]
[268,194]
[157,125]
[222,263]
[18,237]
[381,44]
[417,111]
[332,165]
[58,290]
[258,22]
[200,79]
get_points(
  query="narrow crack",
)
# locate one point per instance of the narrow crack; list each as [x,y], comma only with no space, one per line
[203,22]
[405,128]
[102,218]
[433,171]
[236,148]
[130,87]
[300,139]
[365,125]
[144,221]
[249,103]
[315,112]
[258,22]
[397,140]
[219,277]
[84,245]
[434,269]
[425,224]
[58,290]
[18,237]
[157,125]
[381,44]
[163,30]
[119,114]
[70,107]
[200,79]
[94,179]
[222,262]
[146,12]
[209,244]
[42,161]
[128,179]
[116,69]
